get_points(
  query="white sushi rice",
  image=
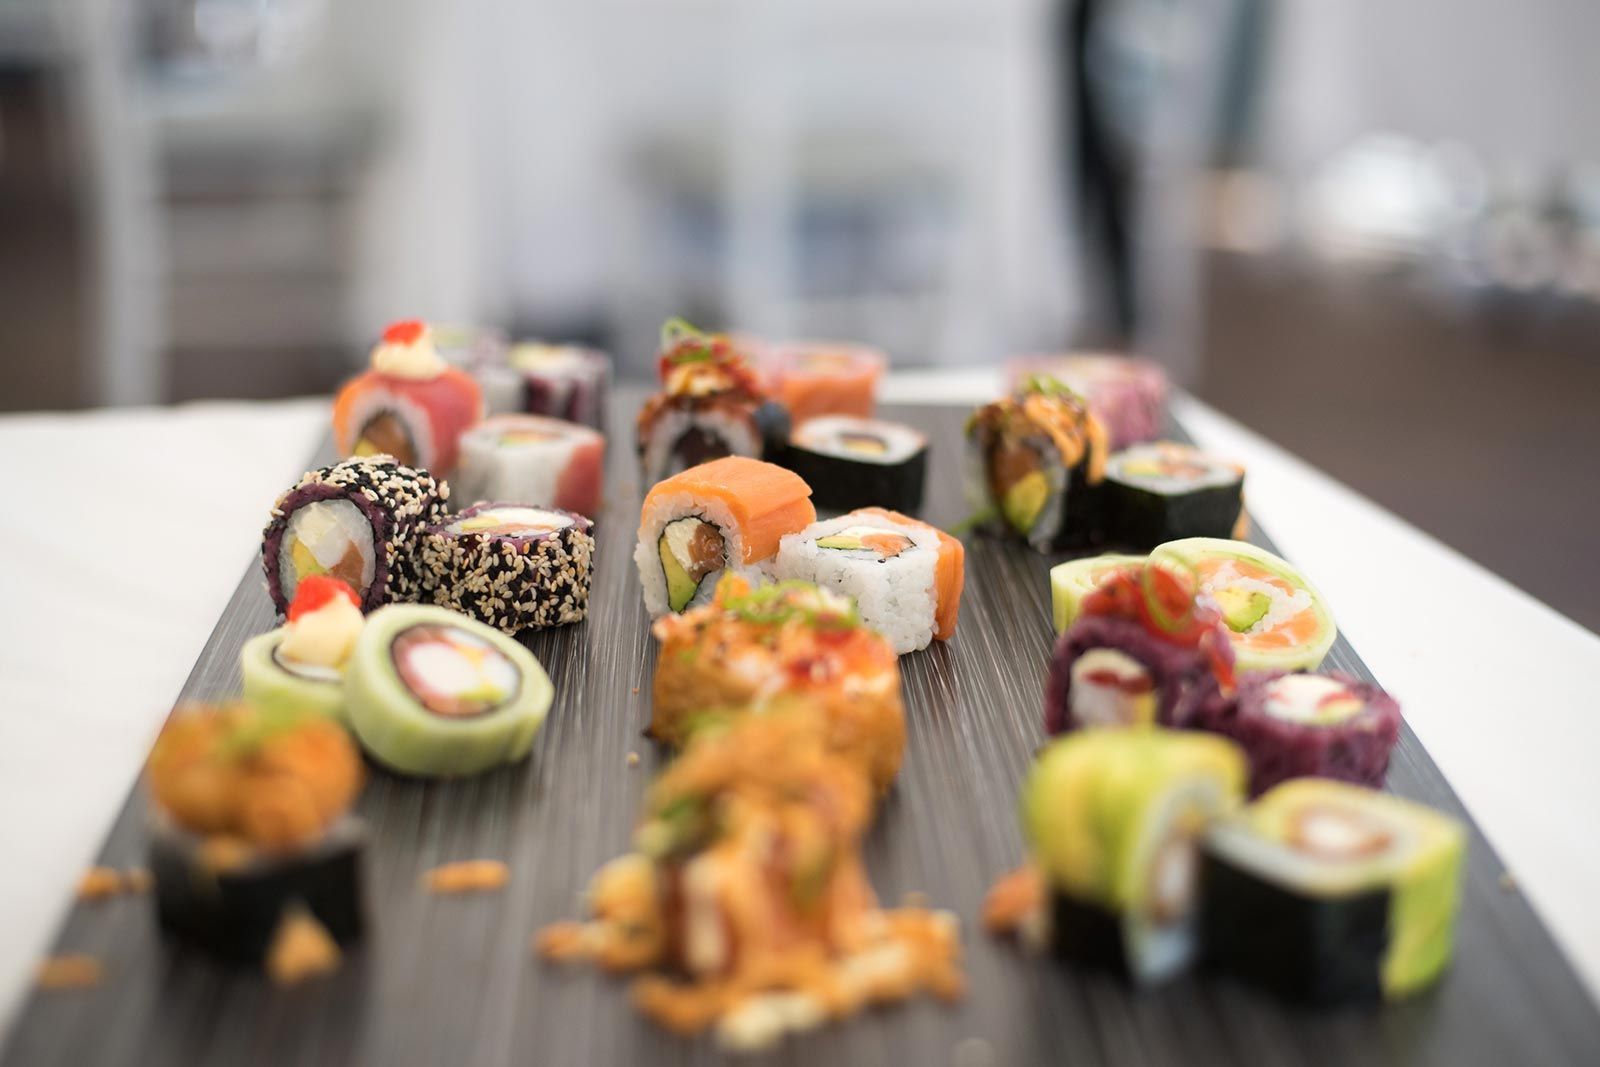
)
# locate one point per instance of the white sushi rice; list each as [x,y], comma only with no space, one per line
[380,400]
[1217,472]
[527,472]
[740,434]
[646,553]
[1281,606]
[898,597]
[825,434]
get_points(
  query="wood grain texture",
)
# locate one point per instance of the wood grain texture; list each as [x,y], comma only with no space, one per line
[452,980]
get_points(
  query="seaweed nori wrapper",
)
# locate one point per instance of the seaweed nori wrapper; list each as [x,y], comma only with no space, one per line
[844,483]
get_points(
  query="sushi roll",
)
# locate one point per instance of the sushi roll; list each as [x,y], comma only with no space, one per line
[1276,619]
[1114,822]
[724,516]
[710,406]
[1164,491]
[566,382]
[745,902]
[435,694]
[468,347]
[754,649]
[251,823]
[533,460]
[814,378]
[300,665]
[1075,579]
[511,566]
[1300,725]
[1127,395]
[904,576]
[1329,893]
[1036,460]
[857,463]
[409,404]
[357,521]
[1143,651]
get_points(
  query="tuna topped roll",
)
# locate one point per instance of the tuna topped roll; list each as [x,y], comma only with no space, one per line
[710,406]
[1113,821]
[1329,893]
[745,899]
[1163,491]
[1276,618]
[1142,652]
[1034,460]
[251,830]
[753,649]
[358,521]
[1297,725]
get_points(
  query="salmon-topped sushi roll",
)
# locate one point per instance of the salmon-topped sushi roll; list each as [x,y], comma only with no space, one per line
[726,515]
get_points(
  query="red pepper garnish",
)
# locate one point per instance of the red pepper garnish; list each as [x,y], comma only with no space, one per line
[404,332]
[1163,600]
[316,592]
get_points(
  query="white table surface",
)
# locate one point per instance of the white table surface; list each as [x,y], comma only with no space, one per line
[125,533]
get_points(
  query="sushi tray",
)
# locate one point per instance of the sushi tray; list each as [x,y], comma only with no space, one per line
[454,978]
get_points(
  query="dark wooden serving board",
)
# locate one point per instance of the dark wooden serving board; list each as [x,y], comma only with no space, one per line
[452,980]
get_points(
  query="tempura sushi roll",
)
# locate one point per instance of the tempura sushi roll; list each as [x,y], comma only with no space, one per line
[904,576]
[1114,821]
[544,462]
[854,462]
[753,650]
[1299,725]
[814,378]
[724,516]
[1165,491]
[300,665]
[710,405]
[1142,652]
[409,404]
[251,825]
[1128,395]
[1330,893]
[1075,579]
[358,521]
[1035,460]
[435,694]
[745,900]
[511,566]
[1276,619]
[566,382]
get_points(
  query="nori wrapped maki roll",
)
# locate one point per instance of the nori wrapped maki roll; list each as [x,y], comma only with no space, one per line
[511,566]
[1163,491]
[251,824]
[1330,893]
[1036,460]
[855,463]
[1299,725]
[1113,821]
[356,520]
[1142,652]
[433,693]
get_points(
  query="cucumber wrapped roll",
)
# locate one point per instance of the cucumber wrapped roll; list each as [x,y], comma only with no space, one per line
[301,664]
[1075,579]
[433,693]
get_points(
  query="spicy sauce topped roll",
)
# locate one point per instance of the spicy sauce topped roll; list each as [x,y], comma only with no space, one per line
[1128,395]
[409,404]
[726,515]
[1035,459]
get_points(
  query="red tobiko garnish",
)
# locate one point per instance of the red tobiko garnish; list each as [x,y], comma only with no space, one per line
[404,332]
[317,592]
[1162,598]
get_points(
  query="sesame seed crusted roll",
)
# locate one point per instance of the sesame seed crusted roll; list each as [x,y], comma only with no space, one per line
[512,566]
[357,520]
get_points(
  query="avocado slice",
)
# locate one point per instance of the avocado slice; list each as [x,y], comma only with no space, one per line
[680,585]
[1025,500]
[305,564]
[841,541]
[1242,608]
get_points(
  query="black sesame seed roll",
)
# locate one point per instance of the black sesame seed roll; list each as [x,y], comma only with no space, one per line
[512,566]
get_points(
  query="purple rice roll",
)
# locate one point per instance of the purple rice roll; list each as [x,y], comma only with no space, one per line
[357,520]
[1297,725]
[1110,670]
[512,566]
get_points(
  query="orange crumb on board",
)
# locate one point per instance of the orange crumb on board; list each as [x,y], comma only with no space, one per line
[633,759]
[1012,899]
[468,876]
[73,971]
[137,880]
[301,948]
[98,883]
